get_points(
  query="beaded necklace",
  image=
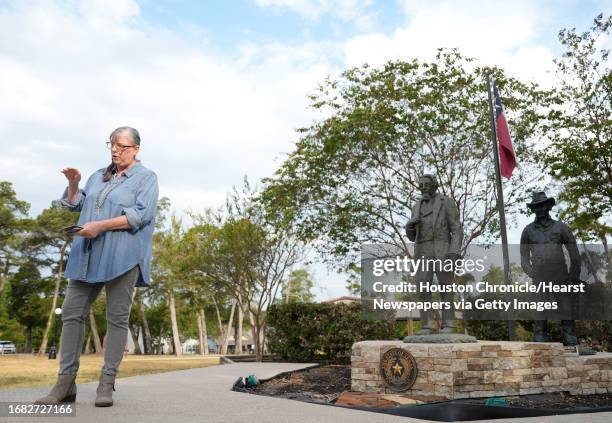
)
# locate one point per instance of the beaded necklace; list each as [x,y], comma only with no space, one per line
[113,183]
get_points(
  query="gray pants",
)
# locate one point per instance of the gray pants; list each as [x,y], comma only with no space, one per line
[79,297]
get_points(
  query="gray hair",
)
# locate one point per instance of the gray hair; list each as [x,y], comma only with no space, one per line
[133,133]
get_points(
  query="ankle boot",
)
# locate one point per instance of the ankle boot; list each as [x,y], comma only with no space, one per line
[104,393]
[64,390]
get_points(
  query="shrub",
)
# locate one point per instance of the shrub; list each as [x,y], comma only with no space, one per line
[489,330]
[321,332]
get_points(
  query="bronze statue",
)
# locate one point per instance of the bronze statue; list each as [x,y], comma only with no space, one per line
[542,259]
[436,230]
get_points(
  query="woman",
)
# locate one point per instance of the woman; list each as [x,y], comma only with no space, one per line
[113,250]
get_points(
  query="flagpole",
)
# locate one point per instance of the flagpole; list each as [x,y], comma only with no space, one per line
[500,202]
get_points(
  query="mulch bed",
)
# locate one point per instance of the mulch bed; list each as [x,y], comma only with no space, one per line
[326,383]
[561,400]
[318,384]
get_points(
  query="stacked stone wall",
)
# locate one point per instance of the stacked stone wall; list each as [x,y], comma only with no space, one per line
[485,369]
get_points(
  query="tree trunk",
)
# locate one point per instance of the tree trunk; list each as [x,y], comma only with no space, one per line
[264,338]
[134,331]
[203,331]
[256,340]
[253,331]
[200,333]
[160,345]
[604,242]
[94,333]
[88,344]
[4,275]
[218,313]
[235,335]
[28,344]
[58,281]
[148,343]
[175,332]
[230,324]
[256,331]
[239,331]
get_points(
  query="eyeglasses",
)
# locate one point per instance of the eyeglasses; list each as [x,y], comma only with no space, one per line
[122,148]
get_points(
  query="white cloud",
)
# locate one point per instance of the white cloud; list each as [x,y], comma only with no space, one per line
[311,9]
[502,36]
[356,11]
[109,12]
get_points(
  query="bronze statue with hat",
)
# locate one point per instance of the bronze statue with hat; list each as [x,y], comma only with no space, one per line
[542,259]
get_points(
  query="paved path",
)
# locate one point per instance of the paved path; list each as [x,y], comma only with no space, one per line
[204,395]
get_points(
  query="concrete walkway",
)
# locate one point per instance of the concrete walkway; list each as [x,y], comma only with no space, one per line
[204,395]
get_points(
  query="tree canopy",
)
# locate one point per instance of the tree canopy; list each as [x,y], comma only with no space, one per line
[579,156]
[354,173]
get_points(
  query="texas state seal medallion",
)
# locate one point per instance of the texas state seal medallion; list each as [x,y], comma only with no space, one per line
[398,369]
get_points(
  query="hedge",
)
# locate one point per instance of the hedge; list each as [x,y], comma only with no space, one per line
[320,331]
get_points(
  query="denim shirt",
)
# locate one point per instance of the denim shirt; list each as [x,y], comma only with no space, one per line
[112,253]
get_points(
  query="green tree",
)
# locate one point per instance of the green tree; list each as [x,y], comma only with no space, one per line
[26,302]
[159,323]
[298,287]
[154,295]
[578,156]
[168,270]
[353,174]
[237,255]
[199,241]
[249,259]
[353,281]
[12,211]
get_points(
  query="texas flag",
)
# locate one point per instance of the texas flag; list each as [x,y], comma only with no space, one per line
[507,159]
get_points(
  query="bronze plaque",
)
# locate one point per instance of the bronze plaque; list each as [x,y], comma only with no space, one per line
[398,369]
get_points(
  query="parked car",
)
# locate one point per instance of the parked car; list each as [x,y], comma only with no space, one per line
[7,347]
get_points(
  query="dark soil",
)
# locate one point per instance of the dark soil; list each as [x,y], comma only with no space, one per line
[319,384]
[561,400]
[325,383]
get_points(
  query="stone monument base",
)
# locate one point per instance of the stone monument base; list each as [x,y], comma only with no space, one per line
[485,369]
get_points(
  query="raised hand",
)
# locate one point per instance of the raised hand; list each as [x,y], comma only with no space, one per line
[73,175]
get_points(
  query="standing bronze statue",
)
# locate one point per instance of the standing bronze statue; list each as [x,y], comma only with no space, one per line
[436,230]
[542,259]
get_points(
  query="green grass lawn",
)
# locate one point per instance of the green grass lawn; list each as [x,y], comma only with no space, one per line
[21,370]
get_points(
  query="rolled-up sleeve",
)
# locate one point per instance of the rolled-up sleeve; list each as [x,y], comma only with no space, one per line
[143,211]
[77,205]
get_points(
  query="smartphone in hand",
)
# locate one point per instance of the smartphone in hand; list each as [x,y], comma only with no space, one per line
[72,229]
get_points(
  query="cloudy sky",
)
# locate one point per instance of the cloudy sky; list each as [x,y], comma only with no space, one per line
[217,88]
